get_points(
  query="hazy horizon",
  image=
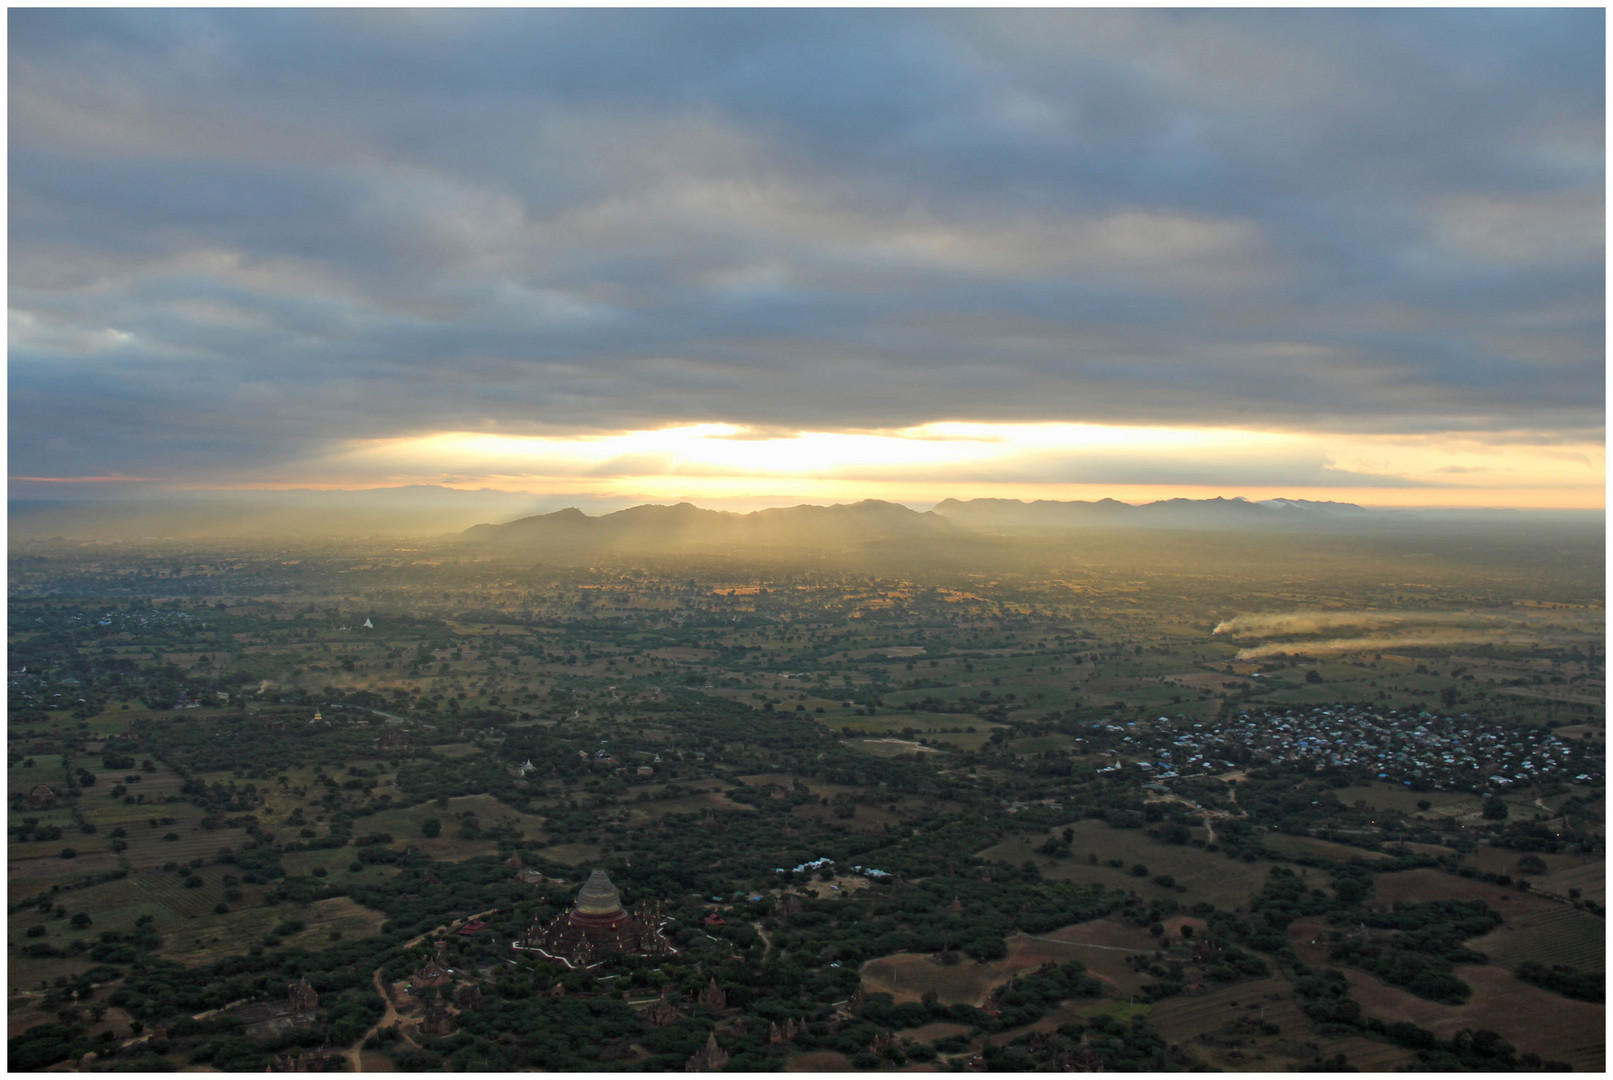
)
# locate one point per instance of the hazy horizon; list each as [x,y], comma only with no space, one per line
[810,256]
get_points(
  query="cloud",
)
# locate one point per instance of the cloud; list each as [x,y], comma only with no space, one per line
[239,238]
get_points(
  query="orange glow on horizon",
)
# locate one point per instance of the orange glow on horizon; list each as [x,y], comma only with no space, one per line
[730,465]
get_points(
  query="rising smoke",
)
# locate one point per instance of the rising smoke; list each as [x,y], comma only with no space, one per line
[1396,629]
[1276,624]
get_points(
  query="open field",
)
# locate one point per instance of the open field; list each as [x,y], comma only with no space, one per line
[27,973]
[575,855]
[1560,935]
[1413,886]
[1207,875]
[908,976]
[1590,879]
[683,804]
[1505,861]
[1289,844]
[1384,796]
[1212,1025]
[817,1061]
[1532,1019]
[337,863]
[229,935]
[40,871]
[404,826]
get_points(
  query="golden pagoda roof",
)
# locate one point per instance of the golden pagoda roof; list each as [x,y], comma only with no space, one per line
[598,896]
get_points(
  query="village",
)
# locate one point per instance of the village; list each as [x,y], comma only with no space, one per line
[1421,750]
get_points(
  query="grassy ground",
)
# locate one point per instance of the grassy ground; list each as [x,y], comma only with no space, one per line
[1207,875]
[1188,1020]
[683,804]
[404,825]
[575,855]
[818,1061]
[233,934]
[1559,935]
[1530,1018]
[1505,860]
[1413,886]
[1309,845]
[1402,798]
[908,976]
[337,864]
[1590,879]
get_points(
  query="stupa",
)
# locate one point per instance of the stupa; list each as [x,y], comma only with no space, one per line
[597,928]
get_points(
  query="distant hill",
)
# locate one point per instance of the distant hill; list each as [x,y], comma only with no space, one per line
[953,526]
[1012,515]
[685,528]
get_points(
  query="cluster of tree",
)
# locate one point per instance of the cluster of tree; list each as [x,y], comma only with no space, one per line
[1028,998]
[886,919]
[45,1044]
[1466,1051]
[1564,980]
[255,743]
[1424,942]
[1324,996]
[1101,1042]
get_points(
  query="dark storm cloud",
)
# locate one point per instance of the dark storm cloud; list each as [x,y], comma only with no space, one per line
[237,235]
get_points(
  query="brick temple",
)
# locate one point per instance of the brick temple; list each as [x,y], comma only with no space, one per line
[597,928]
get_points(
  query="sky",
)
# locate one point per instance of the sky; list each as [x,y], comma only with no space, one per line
[742,256]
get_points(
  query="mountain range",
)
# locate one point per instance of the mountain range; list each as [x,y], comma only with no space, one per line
[685,527]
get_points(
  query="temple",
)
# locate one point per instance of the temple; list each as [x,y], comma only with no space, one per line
[597,928]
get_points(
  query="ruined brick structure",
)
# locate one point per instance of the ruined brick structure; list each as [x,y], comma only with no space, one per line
[709,1058]
[712,996]
[301,997]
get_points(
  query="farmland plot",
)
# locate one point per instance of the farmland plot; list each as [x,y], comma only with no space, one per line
[1207,875]
[1532,1019]
[234,933]
[404,826]
[1590,879]
[908,976]
[1414,886]
[1310,845]
[35,868]
[149,847]
[1558,935]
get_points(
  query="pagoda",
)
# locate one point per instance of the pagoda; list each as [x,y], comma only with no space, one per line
[709,1058]
[301,997]
[597,928]
[435,972]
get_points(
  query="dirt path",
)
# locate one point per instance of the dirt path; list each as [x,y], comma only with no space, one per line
[390,1018]
[1086,944]
[767,941]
